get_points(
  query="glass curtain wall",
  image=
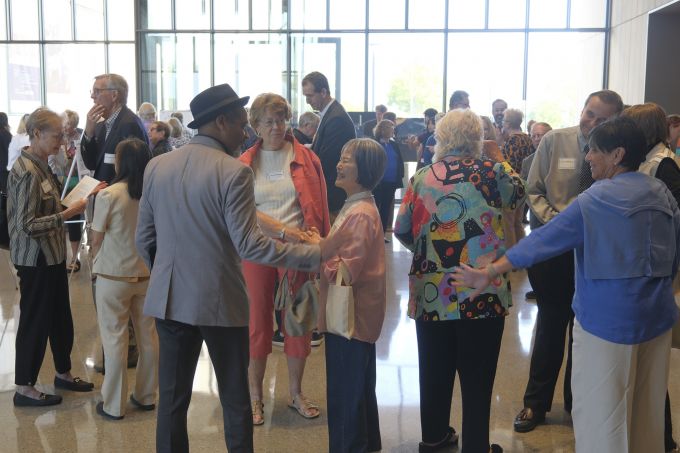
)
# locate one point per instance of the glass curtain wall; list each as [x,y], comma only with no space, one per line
[50,51]
[542,56]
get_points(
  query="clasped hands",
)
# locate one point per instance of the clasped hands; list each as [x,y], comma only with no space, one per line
[307,236]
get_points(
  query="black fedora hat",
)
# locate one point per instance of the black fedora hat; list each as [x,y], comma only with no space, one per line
[209,103]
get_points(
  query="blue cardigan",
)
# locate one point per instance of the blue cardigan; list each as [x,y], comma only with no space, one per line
[626,233]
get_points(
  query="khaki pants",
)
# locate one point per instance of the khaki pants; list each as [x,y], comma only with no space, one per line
[619,394]
[117,303]
[512,225]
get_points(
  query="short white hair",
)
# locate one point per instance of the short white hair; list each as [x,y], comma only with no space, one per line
[459,133]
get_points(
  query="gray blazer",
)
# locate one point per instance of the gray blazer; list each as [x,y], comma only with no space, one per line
[196,219]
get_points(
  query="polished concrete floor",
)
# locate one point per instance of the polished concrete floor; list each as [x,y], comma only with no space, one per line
[74,426]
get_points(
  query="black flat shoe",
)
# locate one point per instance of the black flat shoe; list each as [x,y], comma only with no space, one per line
[100,411]
[495,448]
[44,399]
[527,420]
[77,385]
[144,407]
[451,439]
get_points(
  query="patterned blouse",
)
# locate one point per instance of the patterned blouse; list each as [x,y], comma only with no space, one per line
[451,213]
[516,148]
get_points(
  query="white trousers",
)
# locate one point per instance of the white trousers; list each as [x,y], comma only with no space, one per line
[619,394]
[118,302]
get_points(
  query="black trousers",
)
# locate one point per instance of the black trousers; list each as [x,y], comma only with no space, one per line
[45,313]
[384,201]
[353,424]
[180,346]
[553,282]
[471,348]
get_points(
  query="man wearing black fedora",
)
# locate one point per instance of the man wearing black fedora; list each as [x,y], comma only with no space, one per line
[197,219]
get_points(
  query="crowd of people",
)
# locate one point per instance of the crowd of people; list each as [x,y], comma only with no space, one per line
[313,202]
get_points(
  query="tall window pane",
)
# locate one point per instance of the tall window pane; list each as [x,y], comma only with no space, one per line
[307,14]
[386,14]
[268,14]
[563,69]
[339,57]
[122,61]
[20,73]
[70,71]
[175,68]
[3,24]
[90,19]
[588,13]
[424,14]
[406,85]
[121,17]
[485,79]
[56,20]
[24,23]
[467,13]
[192,14]
[155,14]
[231,14]
[348,14]
[548,14]
[243,59]
[507,13]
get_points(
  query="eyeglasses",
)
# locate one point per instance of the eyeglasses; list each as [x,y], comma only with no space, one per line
[98,91]
[270,123]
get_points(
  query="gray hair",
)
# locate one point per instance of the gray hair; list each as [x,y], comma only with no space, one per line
[309,118]
[459,133]
[514,118]
[118,83]
[147,111]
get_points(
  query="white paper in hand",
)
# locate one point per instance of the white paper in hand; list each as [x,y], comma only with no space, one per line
[82,190]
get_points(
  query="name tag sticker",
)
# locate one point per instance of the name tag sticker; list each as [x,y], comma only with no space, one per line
[275,176]
[46,186]
[109,158]
[566,163]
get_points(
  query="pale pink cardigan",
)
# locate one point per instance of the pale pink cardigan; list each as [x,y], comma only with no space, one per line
[364,256]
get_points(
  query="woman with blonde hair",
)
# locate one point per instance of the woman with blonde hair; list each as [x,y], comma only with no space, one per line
[290,194]
[452,211]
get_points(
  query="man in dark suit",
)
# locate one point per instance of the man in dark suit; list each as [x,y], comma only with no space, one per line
[369,125]
[336,129]
[109,122]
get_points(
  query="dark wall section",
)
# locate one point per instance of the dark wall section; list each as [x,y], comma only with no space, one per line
[662,84]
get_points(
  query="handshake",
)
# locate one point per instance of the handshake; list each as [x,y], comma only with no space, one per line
[300,236]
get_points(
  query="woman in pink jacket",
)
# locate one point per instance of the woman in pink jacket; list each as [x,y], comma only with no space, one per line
[350,363]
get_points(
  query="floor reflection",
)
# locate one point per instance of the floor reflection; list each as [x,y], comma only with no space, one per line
[74,426]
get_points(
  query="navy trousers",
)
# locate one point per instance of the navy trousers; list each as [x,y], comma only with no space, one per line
[353,424]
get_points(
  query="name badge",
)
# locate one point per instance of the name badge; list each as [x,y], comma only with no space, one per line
[275,176]
[46,186]
[566,163]
[109,158]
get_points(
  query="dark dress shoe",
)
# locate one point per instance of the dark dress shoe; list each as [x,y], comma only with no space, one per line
[100,411]
[77,385]
[133,356]
[527,420]
[450,440]
[495,448]
[44,399]
[144,407]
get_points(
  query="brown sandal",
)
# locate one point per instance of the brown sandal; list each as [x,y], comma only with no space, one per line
[304,407]
[257,407]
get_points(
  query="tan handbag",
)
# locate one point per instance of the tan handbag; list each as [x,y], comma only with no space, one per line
[340,305]
[301,308]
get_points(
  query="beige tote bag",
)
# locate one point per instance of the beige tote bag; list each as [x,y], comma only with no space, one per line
[340,305]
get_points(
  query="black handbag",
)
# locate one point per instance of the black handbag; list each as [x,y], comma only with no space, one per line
[4,225]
